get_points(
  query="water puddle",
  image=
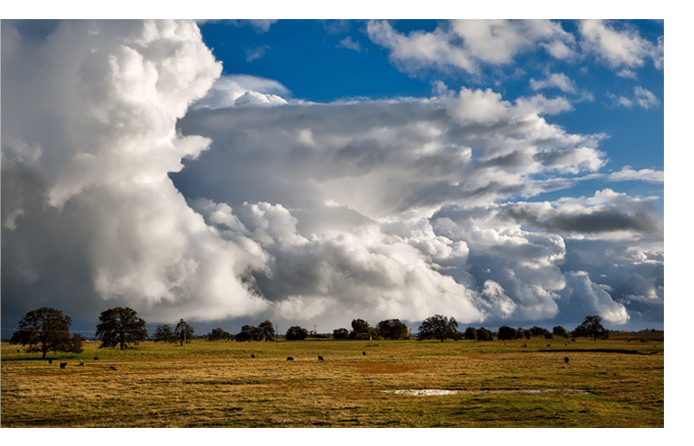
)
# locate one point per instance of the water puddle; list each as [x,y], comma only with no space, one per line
[436,392]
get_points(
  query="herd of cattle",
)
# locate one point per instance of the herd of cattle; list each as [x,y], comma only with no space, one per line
[289,358]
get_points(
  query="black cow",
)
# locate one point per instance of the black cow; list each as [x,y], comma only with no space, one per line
[289,358]
[320,358]
[50,361]
[112,368]
[63,364]
[566,360]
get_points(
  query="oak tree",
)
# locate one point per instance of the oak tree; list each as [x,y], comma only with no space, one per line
[120,326]
[393,329]
[163,333]
[44,330]
[340,333]
[266,331]
[248,333]
[359,326]
[218,334]
[591,327]
[183,332]
[506,332]
[296,333]
[438,327]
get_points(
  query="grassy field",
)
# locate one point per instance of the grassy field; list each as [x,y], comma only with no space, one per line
[612,383]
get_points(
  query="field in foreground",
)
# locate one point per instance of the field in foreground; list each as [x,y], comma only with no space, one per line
[612,383]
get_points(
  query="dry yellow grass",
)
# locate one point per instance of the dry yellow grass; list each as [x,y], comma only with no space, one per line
[219,384]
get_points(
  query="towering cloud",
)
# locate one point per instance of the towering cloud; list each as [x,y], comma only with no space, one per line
[91,216]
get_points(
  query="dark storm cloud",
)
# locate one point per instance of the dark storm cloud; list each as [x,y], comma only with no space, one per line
[639,217]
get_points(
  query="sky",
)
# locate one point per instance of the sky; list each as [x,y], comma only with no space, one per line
[312,172]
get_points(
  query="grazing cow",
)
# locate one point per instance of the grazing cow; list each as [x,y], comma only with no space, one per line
[252,355]
[524,345]
[96,358]
[566,360]
[363,353]
[81,364]
[289,358]
[320,358]
[549,345]
[112,368]
[50,361]
[63,364]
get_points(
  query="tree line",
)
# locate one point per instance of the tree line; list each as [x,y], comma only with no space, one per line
[47,329]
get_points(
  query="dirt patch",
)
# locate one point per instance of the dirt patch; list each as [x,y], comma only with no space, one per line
[383,367]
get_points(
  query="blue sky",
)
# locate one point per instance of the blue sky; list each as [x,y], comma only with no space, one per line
[313,172]
[328,60]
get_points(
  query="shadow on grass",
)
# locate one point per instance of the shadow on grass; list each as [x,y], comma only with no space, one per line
[601,350]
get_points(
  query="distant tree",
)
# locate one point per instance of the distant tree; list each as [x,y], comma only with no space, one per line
[538,331]
[393,329]
[163,333]
[76,342]
[248,333]
[359,326]
[296,333]
[470,333]
[438,327]
[549,335]
[591,327]
[44,330]
[218,334]
[119,326]
[506,332]
[184,332]
[483,334]
[265,331]
[560,331]
[340,333]
[520,333]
